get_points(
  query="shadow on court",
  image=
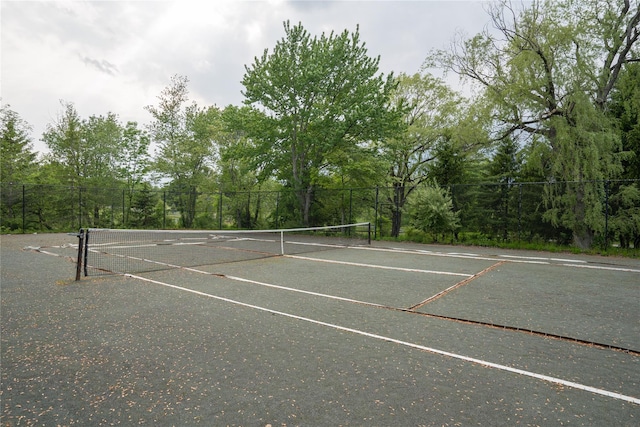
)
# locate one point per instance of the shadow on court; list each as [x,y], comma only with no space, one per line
[412,335]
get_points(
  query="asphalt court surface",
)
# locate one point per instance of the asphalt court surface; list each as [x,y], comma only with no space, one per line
[411,335]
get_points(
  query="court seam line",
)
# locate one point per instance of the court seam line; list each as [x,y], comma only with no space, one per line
[542,377]
[456,286]
[413,311]
[365,303]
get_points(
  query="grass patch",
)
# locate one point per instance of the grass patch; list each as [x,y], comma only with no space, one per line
[481,240]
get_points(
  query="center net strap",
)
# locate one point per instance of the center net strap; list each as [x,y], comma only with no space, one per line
[109,251]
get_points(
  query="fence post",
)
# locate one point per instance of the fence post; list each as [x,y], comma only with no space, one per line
[277,209]
[519,211]
[606,214]
[220,211]
[164,209]
[80,254]
[24,210]
[351,206]
[79,207]
[375,218]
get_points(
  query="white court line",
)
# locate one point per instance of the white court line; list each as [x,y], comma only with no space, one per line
[285,288]
[421,252]
[512,258]
[599,267]
[578,261]
[481,362]
[383,267]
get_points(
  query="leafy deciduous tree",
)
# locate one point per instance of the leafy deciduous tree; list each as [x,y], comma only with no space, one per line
[185,136]
[549,71]
[321,96]
[16,151]
[430,110]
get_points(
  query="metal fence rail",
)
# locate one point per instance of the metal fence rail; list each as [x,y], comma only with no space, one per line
[506,212]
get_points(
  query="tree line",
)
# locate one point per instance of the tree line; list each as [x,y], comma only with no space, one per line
[555,98]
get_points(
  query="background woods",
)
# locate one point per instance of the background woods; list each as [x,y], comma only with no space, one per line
[542,147]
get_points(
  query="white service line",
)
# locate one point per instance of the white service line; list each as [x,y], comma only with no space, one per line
[284,288]
[383,267]
[511,258]
[600,267]
[544,258]
[440,254]
[481,362]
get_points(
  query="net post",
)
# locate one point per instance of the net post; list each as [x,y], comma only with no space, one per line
[80,236]
[281,242]
[86,251]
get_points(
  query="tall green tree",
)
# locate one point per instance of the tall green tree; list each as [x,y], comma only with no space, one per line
[430,111]
[17,158]
[85,150]
[548,70]
[625,109]
[83,154]
[133,161]
[625,198]
[503,169]
[320,95]
[17,166]
[102,141]
[64,138]
[238,175]
[185,135]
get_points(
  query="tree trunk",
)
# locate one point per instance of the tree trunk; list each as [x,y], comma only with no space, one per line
[582,234]
[396,209]
[306,205]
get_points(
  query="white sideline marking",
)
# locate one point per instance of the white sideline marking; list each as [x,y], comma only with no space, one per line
[445,255]
[512,258]
[599,267]
[578,261]
[383,267]
[481,362]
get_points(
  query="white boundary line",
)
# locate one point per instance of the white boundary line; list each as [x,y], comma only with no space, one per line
[383,267]
[284,288]
[537,258]
[599,267]
[481,362]
[510,258]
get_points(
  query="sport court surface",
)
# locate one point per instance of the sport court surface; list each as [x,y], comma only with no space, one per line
[383,335]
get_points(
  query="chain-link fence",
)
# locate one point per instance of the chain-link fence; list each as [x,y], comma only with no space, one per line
[508,212]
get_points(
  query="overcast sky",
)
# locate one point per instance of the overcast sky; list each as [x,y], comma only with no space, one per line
[117,56]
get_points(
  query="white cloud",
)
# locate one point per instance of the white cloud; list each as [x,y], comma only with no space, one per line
[116,56]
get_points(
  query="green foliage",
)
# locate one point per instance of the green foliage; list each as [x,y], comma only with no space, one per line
[625,222]
[143,212]
[17,160]
[64,140]
[431,210]
[625,109]
[322,97]
[185,136]
[548,71]
[430,113]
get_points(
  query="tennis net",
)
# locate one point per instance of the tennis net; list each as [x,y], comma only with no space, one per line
[116,251]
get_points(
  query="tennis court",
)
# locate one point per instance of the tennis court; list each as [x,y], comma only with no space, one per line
[335,334]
